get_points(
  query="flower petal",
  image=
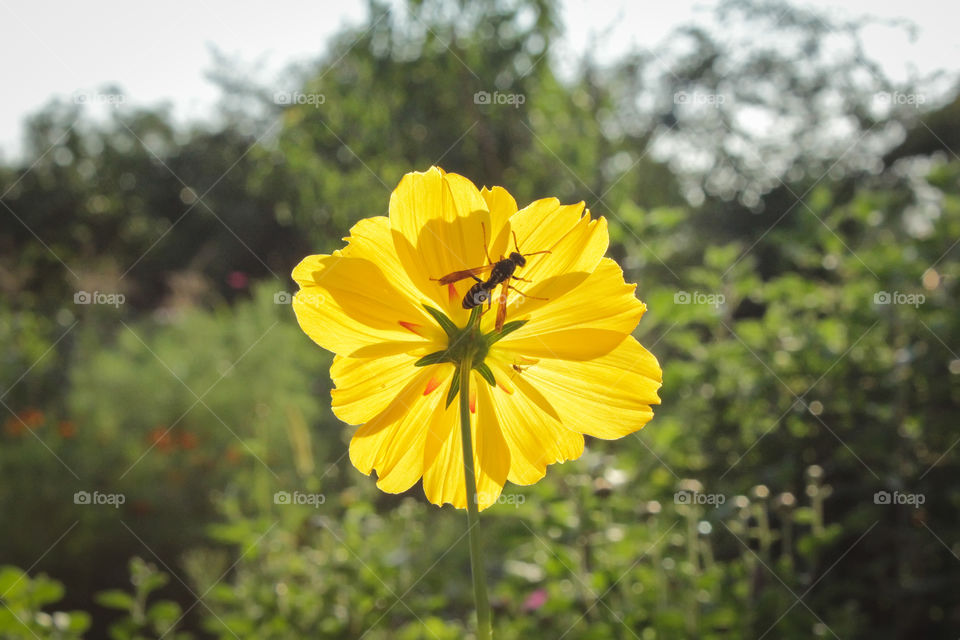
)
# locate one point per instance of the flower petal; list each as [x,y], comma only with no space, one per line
[576,242]
[372,239]
[530,427]
[587,322]
[608,397]
[437,223]
[366,386]
[346,303]
[443,475]
[392,443]
[501,205]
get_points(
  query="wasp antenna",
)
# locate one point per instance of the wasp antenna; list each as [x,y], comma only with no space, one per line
[534,253]
[515,243]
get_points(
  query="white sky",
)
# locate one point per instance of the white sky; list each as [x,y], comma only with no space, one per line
[160,52]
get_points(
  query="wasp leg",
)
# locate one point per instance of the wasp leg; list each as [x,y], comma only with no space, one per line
[483,311]
[513,288]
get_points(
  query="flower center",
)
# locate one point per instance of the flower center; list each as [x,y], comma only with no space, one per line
[466,342]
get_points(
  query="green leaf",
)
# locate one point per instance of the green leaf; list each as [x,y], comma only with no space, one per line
[46,590]
[454,387]
[164,615]
[507,329]
[445,323]
[79,621]
[154,581]
[11,577]
[433,358]
[115,599]
[485,372]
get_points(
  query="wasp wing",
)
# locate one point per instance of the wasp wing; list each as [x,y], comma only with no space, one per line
[456,276]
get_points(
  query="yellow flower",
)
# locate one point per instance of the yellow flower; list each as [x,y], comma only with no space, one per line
[564,366]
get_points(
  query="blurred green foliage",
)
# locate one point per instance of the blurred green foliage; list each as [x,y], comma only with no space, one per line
[24,600]
[804,319]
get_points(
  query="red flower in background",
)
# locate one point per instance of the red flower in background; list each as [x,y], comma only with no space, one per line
[162,439]
[237,280]
[67,428]
[29,418]
[32,417]
[188,440]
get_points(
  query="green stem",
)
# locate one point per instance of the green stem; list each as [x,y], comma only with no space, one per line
[473,512]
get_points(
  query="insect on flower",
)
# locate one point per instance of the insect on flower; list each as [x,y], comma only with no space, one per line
[501,272]
[562,366]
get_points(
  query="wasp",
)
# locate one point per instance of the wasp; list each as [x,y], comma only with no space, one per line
[500,274]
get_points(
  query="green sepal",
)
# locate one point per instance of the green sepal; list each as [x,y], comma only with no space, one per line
[485,372]
[507,329]
[445,323]
[454,387]
[433,358]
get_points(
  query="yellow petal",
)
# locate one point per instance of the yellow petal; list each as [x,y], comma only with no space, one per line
[372,239]
[529,425]
[366,386]
[501,205]
[346,303]
[437,222]
[576,242]
[608,397]
[590,320]
[392,443]
[443,474]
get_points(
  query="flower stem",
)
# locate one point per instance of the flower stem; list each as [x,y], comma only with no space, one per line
[473,512]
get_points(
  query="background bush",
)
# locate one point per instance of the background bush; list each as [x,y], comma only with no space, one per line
[793,392]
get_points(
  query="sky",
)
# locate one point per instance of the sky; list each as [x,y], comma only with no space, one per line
[161,52]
